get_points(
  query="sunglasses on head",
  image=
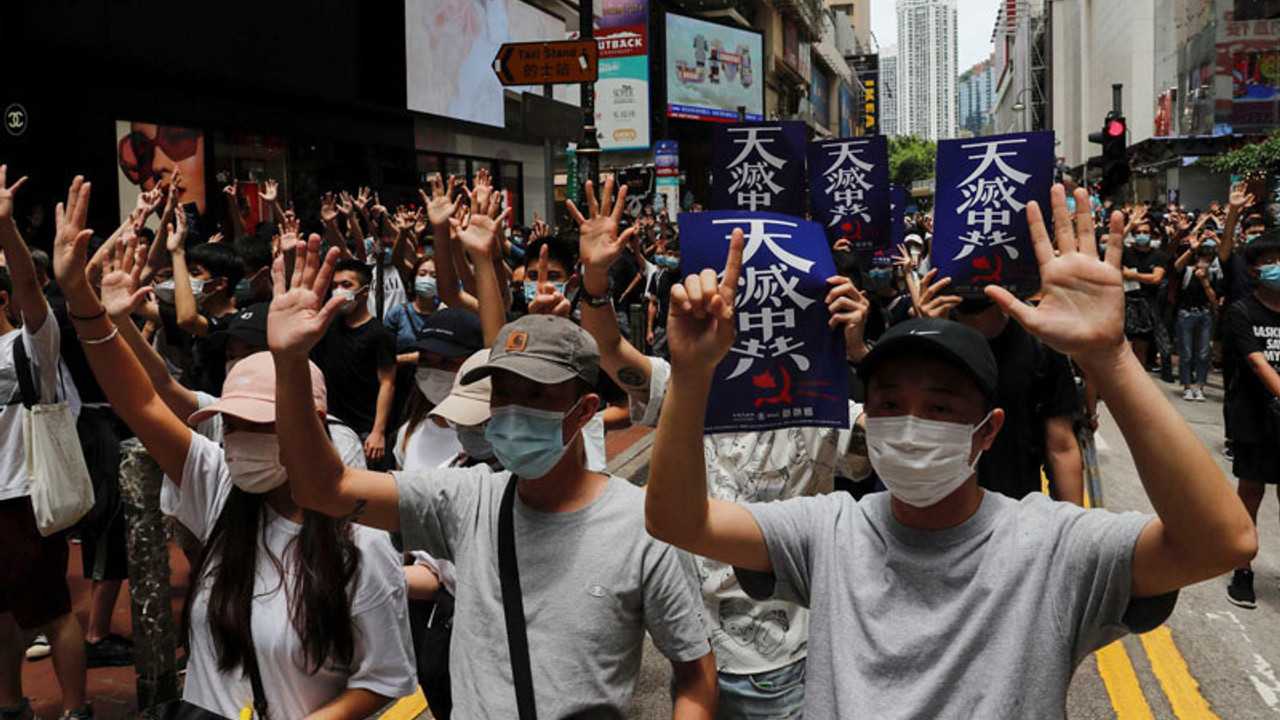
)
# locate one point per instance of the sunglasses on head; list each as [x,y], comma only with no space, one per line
[137,151]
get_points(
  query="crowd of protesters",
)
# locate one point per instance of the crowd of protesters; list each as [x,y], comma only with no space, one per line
[382,429]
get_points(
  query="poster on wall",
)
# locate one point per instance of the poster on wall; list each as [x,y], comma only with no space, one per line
[820,97]
[848,112]
[147,155]
[622,92]
[449,51]
[712,70]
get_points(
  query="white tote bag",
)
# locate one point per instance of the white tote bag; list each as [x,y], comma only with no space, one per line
[61,491]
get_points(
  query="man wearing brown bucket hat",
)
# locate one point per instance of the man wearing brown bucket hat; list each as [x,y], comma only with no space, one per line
[564,547]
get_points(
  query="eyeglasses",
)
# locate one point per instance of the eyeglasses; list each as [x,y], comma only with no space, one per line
[137,151]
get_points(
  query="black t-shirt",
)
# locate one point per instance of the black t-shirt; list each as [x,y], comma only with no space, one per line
[886,312]
[1250,327]
[1192,295]
[1240,282]
[350,358]
[209,356]
[72,352]
[661,290]
[1145,263]
[1035,384]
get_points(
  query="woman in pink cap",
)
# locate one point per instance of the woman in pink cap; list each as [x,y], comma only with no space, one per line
[264,591]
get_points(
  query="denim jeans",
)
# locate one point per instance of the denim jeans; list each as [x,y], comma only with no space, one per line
[1195,331]
[774,695]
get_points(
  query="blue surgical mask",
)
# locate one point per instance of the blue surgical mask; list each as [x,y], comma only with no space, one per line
[878,278]
[1209,243]
[527,441]
[1143,240]
[1102,249]
[1250,238]
[531,289]
[1270,276]
[425,286]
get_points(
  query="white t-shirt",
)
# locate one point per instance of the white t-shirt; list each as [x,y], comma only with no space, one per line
[42,349]
[392,288]
[383,661]
[747,635]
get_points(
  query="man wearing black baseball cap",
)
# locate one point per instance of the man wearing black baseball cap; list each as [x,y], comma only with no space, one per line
[939,599]
[592,581]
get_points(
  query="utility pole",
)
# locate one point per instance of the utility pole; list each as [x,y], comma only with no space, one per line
[589,148]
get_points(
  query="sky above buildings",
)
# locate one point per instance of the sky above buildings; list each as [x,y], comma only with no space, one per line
[976,20]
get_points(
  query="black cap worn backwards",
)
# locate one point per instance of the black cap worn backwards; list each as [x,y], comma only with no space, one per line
[250,325]
[952,342]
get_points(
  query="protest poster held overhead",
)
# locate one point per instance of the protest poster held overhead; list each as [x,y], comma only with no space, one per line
[787,366]
[980,232]
[849,190]
[759,167]
[897,213]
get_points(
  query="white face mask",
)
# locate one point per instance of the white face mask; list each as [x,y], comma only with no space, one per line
[348,299]
[254,461]
[921,461]
[435,384]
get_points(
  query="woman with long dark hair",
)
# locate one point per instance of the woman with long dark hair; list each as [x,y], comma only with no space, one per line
[317,601]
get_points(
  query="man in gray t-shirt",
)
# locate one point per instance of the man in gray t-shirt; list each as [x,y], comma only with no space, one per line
[938,599]
[591,578]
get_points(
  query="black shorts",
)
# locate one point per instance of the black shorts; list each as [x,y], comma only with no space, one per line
[102,529]
[1258,462]
[33,569]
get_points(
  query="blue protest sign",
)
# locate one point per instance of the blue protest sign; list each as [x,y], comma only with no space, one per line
[980,231]
[849,190]
[897,211]
[759,167]
[787,367]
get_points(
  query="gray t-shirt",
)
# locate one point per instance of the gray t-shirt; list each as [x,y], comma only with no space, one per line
[593,582]
[985,620]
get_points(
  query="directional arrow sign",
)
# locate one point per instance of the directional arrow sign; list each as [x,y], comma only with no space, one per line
[547,63]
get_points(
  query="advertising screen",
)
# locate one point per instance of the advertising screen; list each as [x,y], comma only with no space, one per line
[148,154]
[712,70]
[622,92]
[449,51]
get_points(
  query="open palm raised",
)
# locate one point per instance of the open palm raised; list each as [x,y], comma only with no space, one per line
[299,316]
[1082,308]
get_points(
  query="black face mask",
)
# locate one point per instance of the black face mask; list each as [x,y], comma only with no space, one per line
[974,305]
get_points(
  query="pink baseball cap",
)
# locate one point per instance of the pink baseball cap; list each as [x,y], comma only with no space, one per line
[249,392]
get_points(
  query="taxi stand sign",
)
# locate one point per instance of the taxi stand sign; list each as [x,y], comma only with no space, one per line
[547,63]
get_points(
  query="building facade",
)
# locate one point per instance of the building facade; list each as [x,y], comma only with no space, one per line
[976,94]
[889,97]
[927,72]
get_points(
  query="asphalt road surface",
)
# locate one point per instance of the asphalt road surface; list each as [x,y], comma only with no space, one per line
[1210,660]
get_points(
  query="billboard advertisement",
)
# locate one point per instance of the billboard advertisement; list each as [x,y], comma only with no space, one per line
[147,155]
[820,97]
[622,92]
[712,70]
[449,50]
[868,70]
[848,111]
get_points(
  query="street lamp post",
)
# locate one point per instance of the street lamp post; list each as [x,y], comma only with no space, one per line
[1021,108]
[589,148]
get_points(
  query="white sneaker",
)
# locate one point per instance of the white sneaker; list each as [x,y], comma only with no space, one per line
[39,647]
[1200,395]
[1188,395]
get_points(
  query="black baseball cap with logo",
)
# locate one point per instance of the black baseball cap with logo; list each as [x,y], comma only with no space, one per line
[543,348]
[949,341]
[451,333]
[250,326]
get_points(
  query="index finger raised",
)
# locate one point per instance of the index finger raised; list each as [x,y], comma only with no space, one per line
[732,268]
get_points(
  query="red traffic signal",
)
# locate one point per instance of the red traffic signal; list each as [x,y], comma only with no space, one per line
[1115,128]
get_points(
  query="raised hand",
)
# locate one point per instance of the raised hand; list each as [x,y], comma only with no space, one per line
[700,329]
[270,191]
[598,242]
[547,300]
[289,235]
[443,203]
[7,193]
[933,304]
[1081,311]
[362,198]
[346,204]
[481,193]
[176,240]
[846,304]
[148,202]
[299,315]
[71,239]
[122,289]
[1240,197]
[328,208]
[903,259]
[216,238]
[479,233]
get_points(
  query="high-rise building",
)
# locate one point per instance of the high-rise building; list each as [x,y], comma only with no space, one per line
[889,90]
[927,68]
[976,94]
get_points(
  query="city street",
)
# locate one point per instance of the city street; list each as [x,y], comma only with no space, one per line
[1210,660]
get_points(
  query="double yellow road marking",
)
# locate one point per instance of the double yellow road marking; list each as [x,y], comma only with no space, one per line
[1170,670]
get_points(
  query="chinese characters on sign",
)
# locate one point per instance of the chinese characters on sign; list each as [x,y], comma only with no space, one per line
[759,167]
[787,366]
[981,236]
[849,191]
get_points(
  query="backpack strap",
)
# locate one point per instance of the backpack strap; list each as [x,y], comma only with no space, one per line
[513,606]
[28,386]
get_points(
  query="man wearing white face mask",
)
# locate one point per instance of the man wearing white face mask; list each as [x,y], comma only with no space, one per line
[939,599]
[591,581]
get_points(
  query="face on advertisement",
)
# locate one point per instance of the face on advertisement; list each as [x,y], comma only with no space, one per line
[150,154]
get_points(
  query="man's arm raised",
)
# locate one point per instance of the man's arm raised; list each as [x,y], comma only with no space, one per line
[1202,529]
[677,509]
[318,480]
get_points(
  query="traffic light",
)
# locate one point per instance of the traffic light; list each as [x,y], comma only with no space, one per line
[1114,160]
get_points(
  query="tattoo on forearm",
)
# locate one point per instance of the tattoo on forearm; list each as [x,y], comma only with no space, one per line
[632,377]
